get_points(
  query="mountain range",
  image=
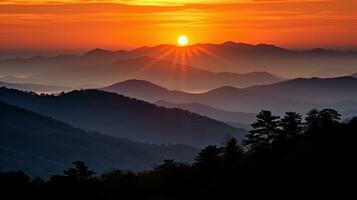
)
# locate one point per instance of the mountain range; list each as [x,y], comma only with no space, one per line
[295,95]
[116,115]
[242,58]
[223,98]
[196,68]
[41,146]
[89,69]
[319,90]
[170,100]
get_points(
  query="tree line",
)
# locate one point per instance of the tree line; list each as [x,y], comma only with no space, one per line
[280,153]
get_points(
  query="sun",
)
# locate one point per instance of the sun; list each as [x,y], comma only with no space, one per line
[182,40]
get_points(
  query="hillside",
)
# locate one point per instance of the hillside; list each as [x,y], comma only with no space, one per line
[221,115]
[223,98]
[121,116]
[98,70]
[42,146]
[319,90]
[298,95]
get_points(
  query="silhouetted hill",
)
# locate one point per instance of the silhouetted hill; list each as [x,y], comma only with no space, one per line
[145,90]
[241,100]
[100,52]
[204,59]
[319,90]
[41,146]
[242,58]
[237,118]
[117,115]
[228,56]
[298,95]
[35,87]
[223,98]
[100,68]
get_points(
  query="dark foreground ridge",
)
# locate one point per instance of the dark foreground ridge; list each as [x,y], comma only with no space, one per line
[278,155]
[42,146]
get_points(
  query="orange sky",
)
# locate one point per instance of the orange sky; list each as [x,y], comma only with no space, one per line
[115,24]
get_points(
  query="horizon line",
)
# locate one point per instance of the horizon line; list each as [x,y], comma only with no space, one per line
[57,52]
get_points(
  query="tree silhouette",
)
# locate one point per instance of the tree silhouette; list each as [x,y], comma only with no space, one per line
[218,172]
[329,117]
[265,130]
[209,157]
[12,182]
[169,165]
[231,152]
[319,122]
[291,125]
[79,172]
[312,120]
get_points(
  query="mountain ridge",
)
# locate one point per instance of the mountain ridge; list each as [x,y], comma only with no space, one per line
[42,146]
[310,93]
[226,57]
[116,115]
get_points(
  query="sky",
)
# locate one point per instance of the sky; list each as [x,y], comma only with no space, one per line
[68,25]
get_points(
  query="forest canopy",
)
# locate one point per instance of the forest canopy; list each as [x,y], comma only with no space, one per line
[279,152]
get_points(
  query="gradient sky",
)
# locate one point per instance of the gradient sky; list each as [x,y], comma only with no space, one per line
[115,24]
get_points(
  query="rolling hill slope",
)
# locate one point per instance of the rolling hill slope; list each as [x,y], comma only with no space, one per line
[121,116]
[42,146]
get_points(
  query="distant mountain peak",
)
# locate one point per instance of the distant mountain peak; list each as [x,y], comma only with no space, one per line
[322,50]
[135,84]
[99,52]
[229,43]
[235,44]
[261,73]
[228,89]
[269,46]
[138,82]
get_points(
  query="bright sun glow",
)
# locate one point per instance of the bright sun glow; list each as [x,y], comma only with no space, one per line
[182,40]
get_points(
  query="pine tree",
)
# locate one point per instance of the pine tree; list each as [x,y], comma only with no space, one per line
[291,125]
[79,172]
[209,157]
[232,152]
[312,120]
[329,117]
[265,130]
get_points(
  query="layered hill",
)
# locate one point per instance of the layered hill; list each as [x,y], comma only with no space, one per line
[41,146]
[295,95]
[238,119]
[121,116]
[319,90]
[229,56]
[223,98]
[92,69]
